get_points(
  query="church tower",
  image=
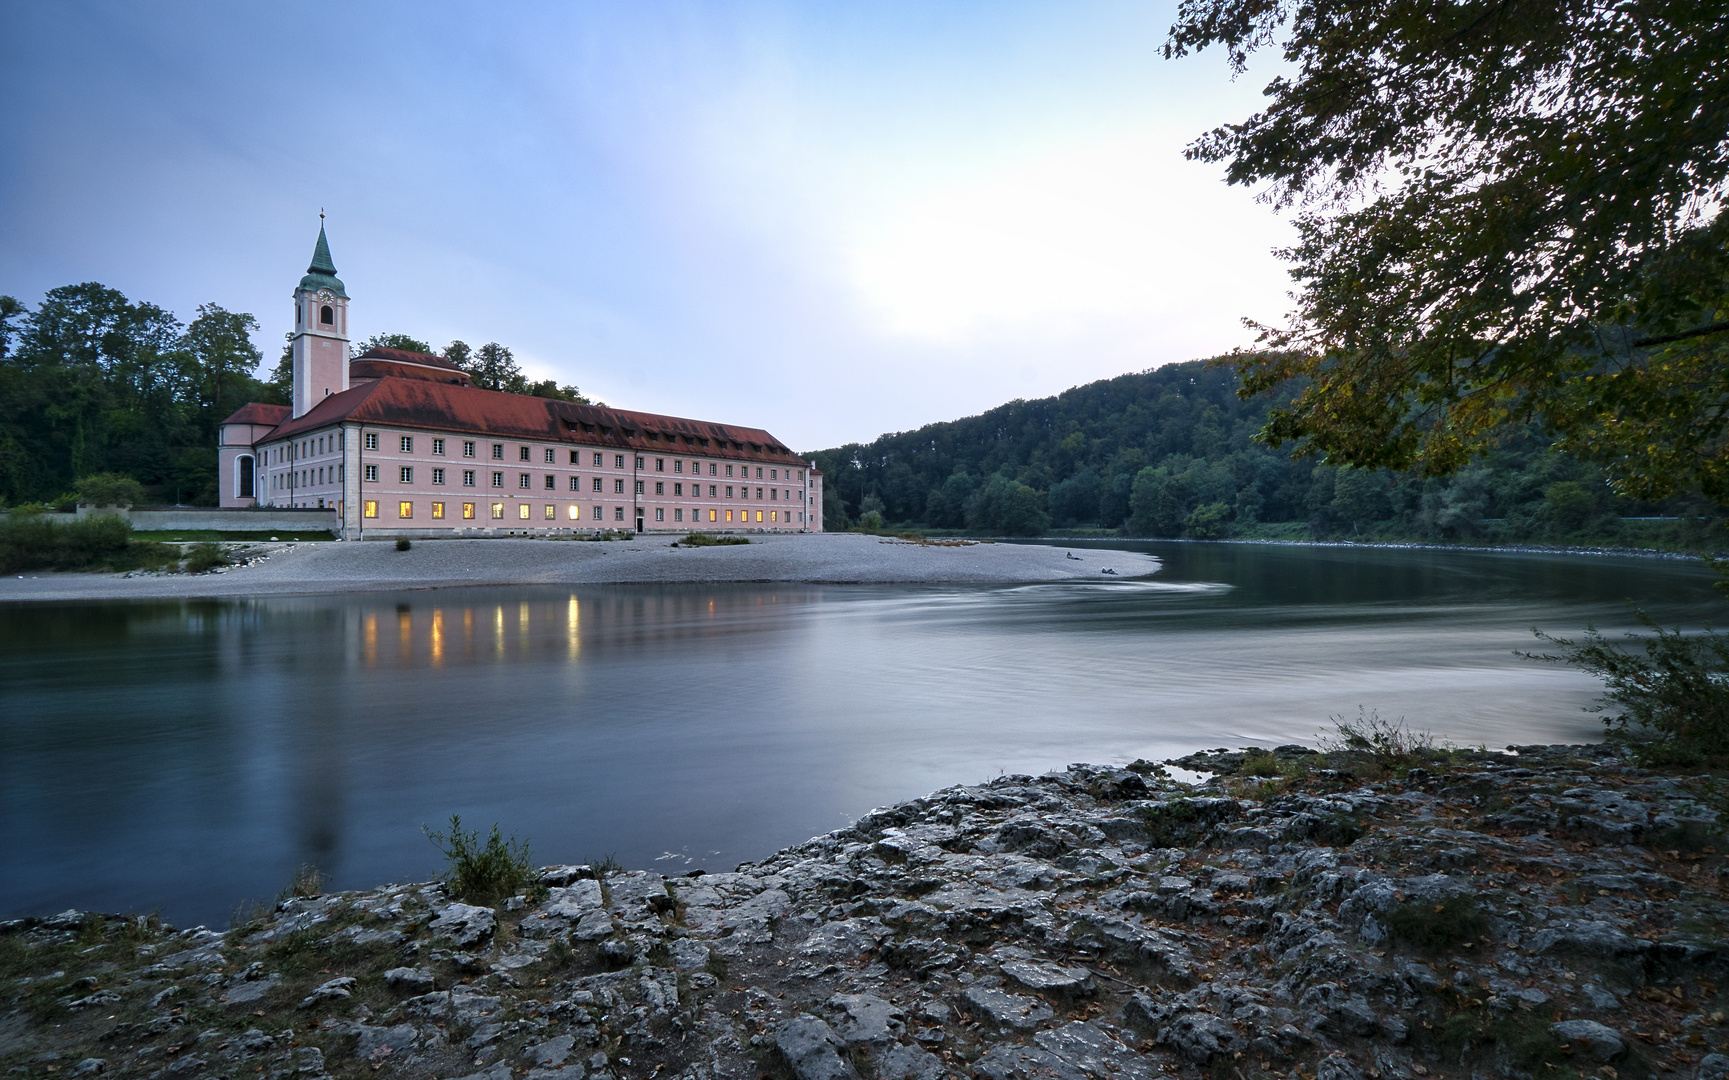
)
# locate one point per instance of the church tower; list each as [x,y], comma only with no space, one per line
[320,342]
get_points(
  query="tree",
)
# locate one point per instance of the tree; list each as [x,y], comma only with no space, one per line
[219,344]
[1509,214]
[392,341]
[1008,507]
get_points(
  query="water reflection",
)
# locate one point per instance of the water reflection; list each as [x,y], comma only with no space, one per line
[190,755]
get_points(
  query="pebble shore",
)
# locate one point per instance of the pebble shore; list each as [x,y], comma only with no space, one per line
[820,558]
[1548,912]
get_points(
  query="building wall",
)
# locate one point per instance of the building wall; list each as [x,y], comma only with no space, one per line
[235,441]
[476,485]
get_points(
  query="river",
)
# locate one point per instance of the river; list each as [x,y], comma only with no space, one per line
[188,756]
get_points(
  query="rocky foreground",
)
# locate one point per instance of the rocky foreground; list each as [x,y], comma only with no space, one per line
[1551,913]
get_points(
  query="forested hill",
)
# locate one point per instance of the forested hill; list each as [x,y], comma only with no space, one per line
[1171,452]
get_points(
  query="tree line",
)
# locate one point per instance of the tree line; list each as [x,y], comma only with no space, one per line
[94,383]
[1173,452]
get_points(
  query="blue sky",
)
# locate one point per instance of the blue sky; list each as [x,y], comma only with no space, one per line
[828,220]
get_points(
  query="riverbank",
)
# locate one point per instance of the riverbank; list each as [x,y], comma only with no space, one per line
[1552,913]
[821,558]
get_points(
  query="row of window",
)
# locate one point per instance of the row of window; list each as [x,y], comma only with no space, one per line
[405,475]
[405,444]
[525,512]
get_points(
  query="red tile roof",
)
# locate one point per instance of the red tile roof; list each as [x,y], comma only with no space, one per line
[257,412]
[438,406]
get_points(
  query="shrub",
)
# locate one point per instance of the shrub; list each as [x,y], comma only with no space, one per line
[1666,697]
[32,542]
[482,873]
[308,882]
[700,539]
[403,544]
[1383,746]
[205,557]
[108,489]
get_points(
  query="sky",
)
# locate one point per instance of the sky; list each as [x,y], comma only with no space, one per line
[827,220]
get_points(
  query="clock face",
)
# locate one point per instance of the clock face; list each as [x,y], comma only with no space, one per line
[324,294]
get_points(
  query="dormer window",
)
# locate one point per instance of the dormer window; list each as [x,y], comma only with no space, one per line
[327,315]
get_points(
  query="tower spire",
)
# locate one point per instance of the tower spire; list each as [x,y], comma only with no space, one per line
[322,273]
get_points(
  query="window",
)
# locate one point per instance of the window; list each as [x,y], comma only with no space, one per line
[597,483]
[678,515]
[371,443]
[468,448]
[468,511]
[372,474]
[729,515]
[551,482]
[522,453]
[759,515]
[575,512]
[522,511]
[711,469]
[498,511]
[551,512]
[548,455]
[468,478]
[678,489]
[729,491]
[370,508]
[710,515]
[660,487]
[711,491]
[729,470]
[772,515]
[523,481]
[498,451]
[245,479]
[405,474]
[598,459]
[497,479]
[659,514]
[576,457]
[618,513]
[659,464]
[576,483]
[618,486]
[618,461]
[438,476]
[327,315]
[598,513]
[678,466]
[759,472]
[404,509]
[438,446]
[639,461]
[774,493]
[639,487]
[407,444]
[774,474]
[759,494]
[438,511]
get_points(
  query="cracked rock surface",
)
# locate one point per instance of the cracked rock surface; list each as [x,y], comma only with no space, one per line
[1551,912]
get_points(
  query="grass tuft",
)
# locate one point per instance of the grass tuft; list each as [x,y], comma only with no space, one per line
[205,557]
[483,873]
[403,543]
[701,539]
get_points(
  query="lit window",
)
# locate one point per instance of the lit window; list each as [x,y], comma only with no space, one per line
[678,515]
[404,509]
[468,448]
[551,512]
[729,515]
[618,513]
[438,476]
[618,486]
[498,451]
[468,511]
[598,513]
[618,461]
[772,515]
[438,511]
[371,443]
[438,446]
[639,487]
[711,515]
[497,479]
[759,515]
[551,482]
[372,474]
[576,483]
[659,464]
[597,483]
[371,508]
[549,458]
[575,512]
[659,514]
[523,481]
[405,475]
[497,511]
[522,511]
[597,460]
[407,444]
[468,478]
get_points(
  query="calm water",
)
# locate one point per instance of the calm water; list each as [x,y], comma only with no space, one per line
[187,756]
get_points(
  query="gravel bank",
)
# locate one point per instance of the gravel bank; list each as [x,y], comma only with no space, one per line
[823,558]
[1551,915]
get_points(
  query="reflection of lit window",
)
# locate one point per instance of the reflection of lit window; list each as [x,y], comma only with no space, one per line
[522,511]
[371,508]
[575,512]
[437,511]
[468,511]
[497,511]
[404,509]
[551,512]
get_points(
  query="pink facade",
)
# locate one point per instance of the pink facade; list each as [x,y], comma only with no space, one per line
[402,444]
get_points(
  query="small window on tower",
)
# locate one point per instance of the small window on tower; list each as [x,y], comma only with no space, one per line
[327,315]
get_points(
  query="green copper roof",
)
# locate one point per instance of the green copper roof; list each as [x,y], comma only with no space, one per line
[322,273]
